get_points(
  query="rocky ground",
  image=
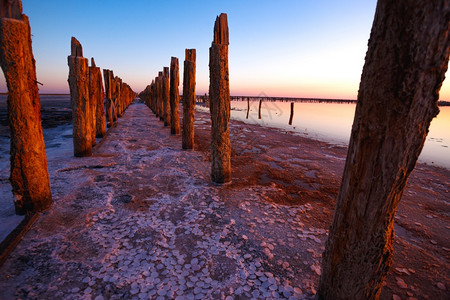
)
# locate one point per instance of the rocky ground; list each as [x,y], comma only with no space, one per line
[141,219]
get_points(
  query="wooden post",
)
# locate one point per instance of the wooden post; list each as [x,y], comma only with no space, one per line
[108,94]
[29,173]
[79,98]
[100,113]
[160,96]
[248,107]
[94,94]
[189,99]
[404,69]
[292,113]
[219,91]
[259,110]
[116,96]
[174,96]
[166,96]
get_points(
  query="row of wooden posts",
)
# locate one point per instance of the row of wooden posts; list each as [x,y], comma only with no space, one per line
[162,97]
[87,98]
[405,66]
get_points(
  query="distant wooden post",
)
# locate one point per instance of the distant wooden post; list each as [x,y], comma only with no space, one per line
[166,96]
[79,98]
[292,113]
[94,94]
[404,69]
[219,91]
[174,96]
[100,109]
[29,173]
[248,107]
[108,94]
[188,99]
[259,110]
[116,97]
[160,96]
[152,96]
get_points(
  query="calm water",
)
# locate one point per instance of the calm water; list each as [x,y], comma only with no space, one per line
[332,123]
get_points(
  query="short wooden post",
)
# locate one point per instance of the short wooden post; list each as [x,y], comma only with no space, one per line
[259,110]
[292,113]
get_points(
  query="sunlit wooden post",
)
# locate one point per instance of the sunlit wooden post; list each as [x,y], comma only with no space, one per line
[219,91]
[188,99]
[166,96]
[174,96]
[79,98]
[404,69]
[29,173]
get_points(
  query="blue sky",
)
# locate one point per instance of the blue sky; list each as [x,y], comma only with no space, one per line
[281,48]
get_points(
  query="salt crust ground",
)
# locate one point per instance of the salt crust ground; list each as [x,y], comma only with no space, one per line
[141,219]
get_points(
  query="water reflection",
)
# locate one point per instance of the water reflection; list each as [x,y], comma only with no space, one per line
[332,122]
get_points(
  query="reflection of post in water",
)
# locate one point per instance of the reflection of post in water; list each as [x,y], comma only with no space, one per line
[248,106]
[259,110]
[292,113]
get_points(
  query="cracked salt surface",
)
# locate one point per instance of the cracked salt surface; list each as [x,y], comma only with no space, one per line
[140,219]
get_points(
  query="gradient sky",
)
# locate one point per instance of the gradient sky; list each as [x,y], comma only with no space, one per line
[298,48]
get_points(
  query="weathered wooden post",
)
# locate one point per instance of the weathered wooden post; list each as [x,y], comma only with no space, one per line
[100,110]
[219,91]
[116,97]
[259,109]
[109,100]
[160,96]
[152,96]
[79,98]
[166,96]
[29,173]
[94,94]
[292,113]
[174,96]
[404,69]
[188,99]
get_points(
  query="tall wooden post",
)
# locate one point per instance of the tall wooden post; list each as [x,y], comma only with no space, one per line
[219,91]
[174,96]
[404,69]
[79,98]
[29,173]
[188,99]
[166,96]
